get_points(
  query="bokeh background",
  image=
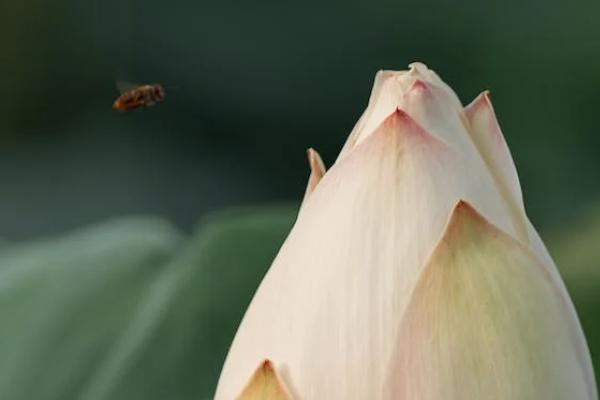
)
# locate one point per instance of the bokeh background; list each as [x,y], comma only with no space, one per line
[121,207]
[255,83]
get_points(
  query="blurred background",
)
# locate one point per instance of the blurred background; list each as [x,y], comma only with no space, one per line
[255,83]
[250,85]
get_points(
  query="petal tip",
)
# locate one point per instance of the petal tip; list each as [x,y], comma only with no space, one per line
[401,123]
[399,116]
[317,170]
[265,383]
[463,210]
[315,162]
[482,118]
[399,120]
[482,101]
[418,66]
[420,86]
[463,206]
[465,218]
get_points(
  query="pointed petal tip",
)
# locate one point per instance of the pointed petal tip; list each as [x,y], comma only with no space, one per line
[464,218]
[399,116]
[463,210]
[483,100]
[317,170]
[420,85]
[266,367]
[382,73]
[466,221]
[315,162]
[265,383]
[482,118]
[464,207]
[401,123]
[418,66]
[400,120]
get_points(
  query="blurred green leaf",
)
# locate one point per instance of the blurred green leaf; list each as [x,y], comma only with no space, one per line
[179,340]
[123,310]
[64,301]
[576,250]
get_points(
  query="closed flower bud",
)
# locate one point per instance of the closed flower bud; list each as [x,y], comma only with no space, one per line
[412,271]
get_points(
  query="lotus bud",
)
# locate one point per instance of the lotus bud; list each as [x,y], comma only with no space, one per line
[412,271]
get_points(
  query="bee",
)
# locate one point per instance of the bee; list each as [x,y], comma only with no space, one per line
[140,96]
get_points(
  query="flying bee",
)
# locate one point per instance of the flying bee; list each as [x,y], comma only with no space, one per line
[140,96]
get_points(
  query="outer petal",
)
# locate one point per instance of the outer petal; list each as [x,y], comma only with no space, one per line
[486,321]
[487,136]
[330,305]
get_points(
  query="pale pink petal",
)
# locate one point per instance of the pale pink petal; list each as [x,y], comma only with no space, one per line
[487,136]
[331,302]
[487,321]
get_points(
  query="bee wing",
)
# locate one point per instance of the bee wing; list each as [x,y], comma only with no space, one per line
[125,86]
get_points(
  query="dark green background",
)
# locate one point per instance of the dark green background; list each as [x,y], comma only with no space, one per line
[256,82]
[97,304]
